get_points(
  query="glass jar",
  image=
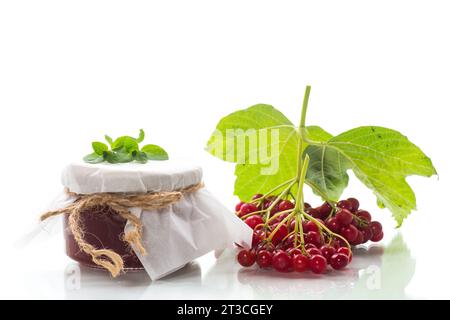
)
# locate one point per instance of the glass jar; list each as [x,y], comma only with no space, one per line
[103,228]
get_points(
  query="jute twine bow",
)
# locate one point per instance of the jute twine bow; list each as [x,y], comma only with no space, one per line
[120,203]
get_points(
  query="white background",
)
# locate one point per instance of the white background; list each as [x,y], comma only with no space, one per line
[71,71]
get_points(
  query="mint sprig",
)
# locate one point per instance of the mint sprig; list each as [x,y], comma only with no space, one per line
[125,149]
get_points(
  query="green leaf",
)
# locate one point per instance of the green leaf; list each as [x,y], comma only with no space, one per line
[118,143]
[99,147]
[259,122]
[141,136]
[130,144]
[111,157]
[93,158]
[154,152]
[123,157]
[117,157]
[327,172]
[141,157]
[109,140]
[381,158]
[233,134]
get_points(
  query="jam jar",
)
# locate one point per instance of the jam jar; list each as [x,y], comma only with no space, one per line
[102,227]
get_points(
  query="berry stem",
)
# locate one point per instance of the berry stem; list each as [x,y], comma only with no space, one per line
[281,196]
[275,189]
[276,215]
[272,234]
[298,223]
[299,203]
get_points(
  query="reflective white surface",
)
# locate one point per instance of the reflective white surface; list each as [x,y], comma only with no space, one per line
[376,272]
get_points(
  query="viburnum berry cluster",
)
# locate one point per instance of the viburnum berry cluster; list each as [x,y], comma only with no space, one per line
[288,234]
[289,239]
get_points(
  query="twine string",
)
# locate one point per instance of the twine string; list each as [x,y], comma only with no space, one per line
[120,203]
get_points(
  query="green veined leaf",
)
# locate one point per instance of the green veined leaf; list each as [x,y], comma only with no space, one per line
[109,140]
[99,147]
[141,157]
[141,136]
[237,135]
[260,166]
[93,158]
[381,158]
[130,145]
[155,152]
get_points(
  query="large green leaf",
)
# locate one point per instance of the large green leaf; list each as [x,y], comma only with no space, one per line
[237,136]
[381,158]
[275,161]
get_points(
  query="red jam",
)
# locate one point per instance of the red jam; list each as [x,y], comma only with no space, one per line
[103,228]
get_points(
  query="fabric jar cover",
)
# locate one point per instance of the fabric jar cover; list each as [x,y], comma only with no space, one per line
[172,236]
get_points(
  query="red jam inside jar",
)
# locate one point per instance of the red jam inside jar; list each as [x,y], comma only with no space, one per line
[103,228]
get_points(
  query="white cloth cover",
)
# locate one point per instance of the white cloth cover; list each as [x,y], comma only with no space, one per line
[172,236]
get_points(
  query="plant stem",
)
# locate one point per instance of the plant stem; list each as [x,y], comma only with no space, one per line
[300,165]
[272,234]
[299,204]
[274,203]
[305,106]
[274,189]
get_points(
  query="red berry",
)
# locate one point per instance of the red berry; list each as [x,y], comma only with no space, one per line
[333,225]
[253,221]
[275,209]
[265,246]
[280,234]
[292,225]
[300,263]
[257,196]
[346,251]
[247,208]
[264,258]
[314,251]
[258,236]
[359,239]
[349,232]
[339,261]
[327,252]
[238,206]
[306,205]
[378,237]
[325,209]
[354,203]
[285,205]
[246,258]
[267,204]
[363,214]
[294,252]
[344,217]
[317,264]
[281,261]
[376,227]
[345,204]
[310,226]
[314,238]
[341,243]
[314,213]
[309,246]
[367,234]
